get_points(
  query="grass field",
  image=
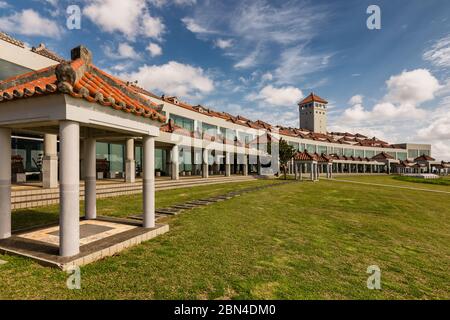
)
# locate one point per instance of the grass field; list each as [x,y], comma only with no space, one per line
[440,181]
[297,241]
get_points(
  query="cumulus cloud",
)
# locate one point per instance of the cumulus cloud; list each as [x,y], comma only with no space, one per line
[172,78]
[283,96]
[439,54]
[124,51]
[412,87]
[405,93]
[131,18]
[4,4]
[161,3]
[154,49]
[30,23]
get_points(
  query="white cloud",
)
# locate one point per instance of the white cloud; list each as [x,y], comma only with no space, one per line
[31,23]
[154,49]
[405,93]
[4,4]
[295,63]
[248,61]
[161,3]
[438,129]
[283,96]
[131,18]
[264,31]
[124,51]
[414,87]
[439,54]
[223,44]
[193,26]
[267,76]
[357,99]
[173,78]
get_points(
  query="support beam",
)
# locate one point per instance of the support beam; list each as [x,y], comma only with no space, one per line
[90,178]
[175,163]
[130,163]
[50,162]
[5,183]
[148,183]
[69,214]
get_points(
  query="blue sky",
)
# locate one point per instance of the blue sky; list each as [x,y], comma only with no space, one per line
[257,58]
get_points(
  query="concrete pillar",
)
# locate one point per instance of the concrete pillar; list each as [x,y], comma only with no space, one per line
[311,166]
[227,164]
[130,162]
[388,167]
[69,215]
[371,168]
[175,163]
[5,183]
[90,178]
[149,181]
[205,165]
[296,171]
[317,172]
[50,162]
[301,171]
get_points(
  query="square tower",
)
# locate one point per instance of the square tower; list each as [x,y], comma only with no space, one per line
[313,113]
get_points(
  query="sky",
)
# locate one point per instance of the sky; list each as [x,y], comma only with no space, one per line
[258,58]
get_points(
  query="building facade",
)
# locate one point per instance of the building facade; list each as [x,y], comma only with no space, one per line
[195,140]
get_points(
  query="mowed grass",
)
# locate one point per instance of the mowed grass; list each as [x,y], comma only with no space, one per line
[439,181]
[297,241]
[396,180]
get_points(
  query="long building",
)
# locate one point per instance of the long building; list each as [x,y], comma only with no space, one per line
[194,139]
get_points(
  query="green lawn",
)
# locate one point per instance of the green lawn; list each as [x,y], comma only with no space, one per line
[398,181]
[439,181]
[297,241]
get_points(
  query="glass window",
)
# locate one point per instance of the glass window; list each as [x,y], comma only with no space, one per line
[183,122]
[370,153]
[413,153]
[425,152]
[402,155]
[321,149]
[348,152]
[311,148]
[359,153]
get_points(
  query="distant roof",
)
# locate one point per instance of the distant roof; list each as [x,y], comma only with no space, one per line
[424,157]
[43,51]
[313,97]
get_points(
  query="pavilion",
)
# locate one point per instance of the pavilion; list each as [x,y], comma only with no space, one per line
[78,102]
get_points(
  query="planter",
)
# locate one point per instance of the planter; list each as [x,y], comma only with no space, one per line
[158,173]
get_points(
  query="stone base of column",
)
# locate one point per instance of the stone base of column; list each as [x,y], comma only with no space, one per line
[227,170]
[50,172]
[130,171]
[245,169]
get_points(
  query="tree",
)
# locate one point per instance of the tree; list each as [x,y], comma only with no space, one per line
[286,153]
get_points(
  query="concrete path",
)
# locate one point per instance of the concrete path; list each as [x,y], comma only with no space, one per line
[391,186]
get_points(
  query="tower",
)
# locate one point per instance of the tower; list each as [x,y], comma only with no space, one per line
[313,113]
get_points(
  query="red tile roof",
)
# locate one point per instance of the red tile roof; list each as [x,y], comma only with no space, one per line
[79,78]
[382,156]
[312,97]
[424,157]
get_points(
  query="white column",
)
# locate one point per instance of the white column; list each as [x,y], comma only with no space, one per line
[205,160]
[311,166]
[69,215]
[388,167]
[50,162]
[5,183]
[245,165]
[90,178]
[296,170]
[149,181]
[301,171]
[130,163]
[227,164]
[175,163]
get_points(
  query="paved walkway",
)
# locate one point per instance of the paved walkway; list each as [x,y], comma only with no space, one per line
[391,186]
